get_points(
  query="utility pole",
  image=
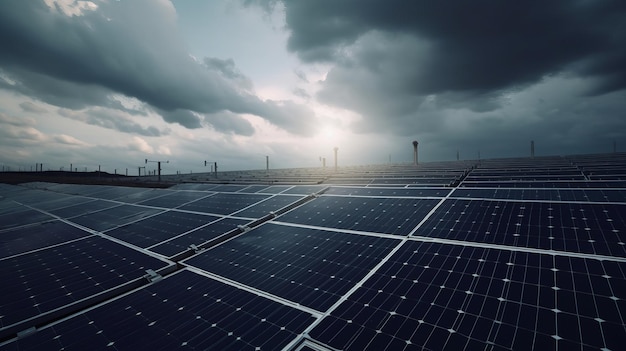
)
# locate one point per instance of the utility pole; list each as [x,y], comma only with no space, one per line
[158,166]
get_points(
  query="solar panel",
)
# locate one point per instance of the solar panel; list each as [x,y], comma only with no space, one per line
[441,296]
[253,189]
[229,188]
[184,311]
[154,230]
[18,215]
[382,215]
[114,217]
[304,189]
[307,266]
[35,236]
[489,254]
[573,227]
[197,237]
[264,207]
[275,189]
[83,208]
[387,192]
[175,199]
[40,281]
[591,195]
[224,204]
[143,196]
[61,202]
[115,192]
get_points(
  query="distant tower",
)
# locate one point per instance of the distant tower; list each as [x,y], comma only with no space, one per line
[532,149]
[614,146]
[415,152]
[457,155]
[336,149]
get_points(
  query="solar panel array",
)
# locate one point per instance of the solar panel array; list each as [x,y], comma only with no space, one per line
[494,254]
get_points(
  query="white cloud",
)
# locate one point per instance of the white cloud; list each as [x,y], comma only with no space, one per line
[28,106]
[68,140]
[139,144]
[71,7]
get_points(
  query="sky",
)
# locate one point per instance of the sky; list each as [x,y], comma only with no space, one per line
[111,83]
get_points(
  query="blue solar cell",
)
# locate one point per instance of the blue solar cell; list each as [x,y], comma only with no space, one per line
[185,311]
[154,230]
[42,280]
[573,227]
[36,236]
[197,237]
[310,267]
[441,296]
[381,215]
[224,203]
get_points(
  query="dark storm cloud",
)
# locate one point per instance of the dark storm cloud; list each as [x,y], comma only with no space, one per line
[472,45]
[229,71]
[130,48]
[227,122]
[421,68]
[111,119]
